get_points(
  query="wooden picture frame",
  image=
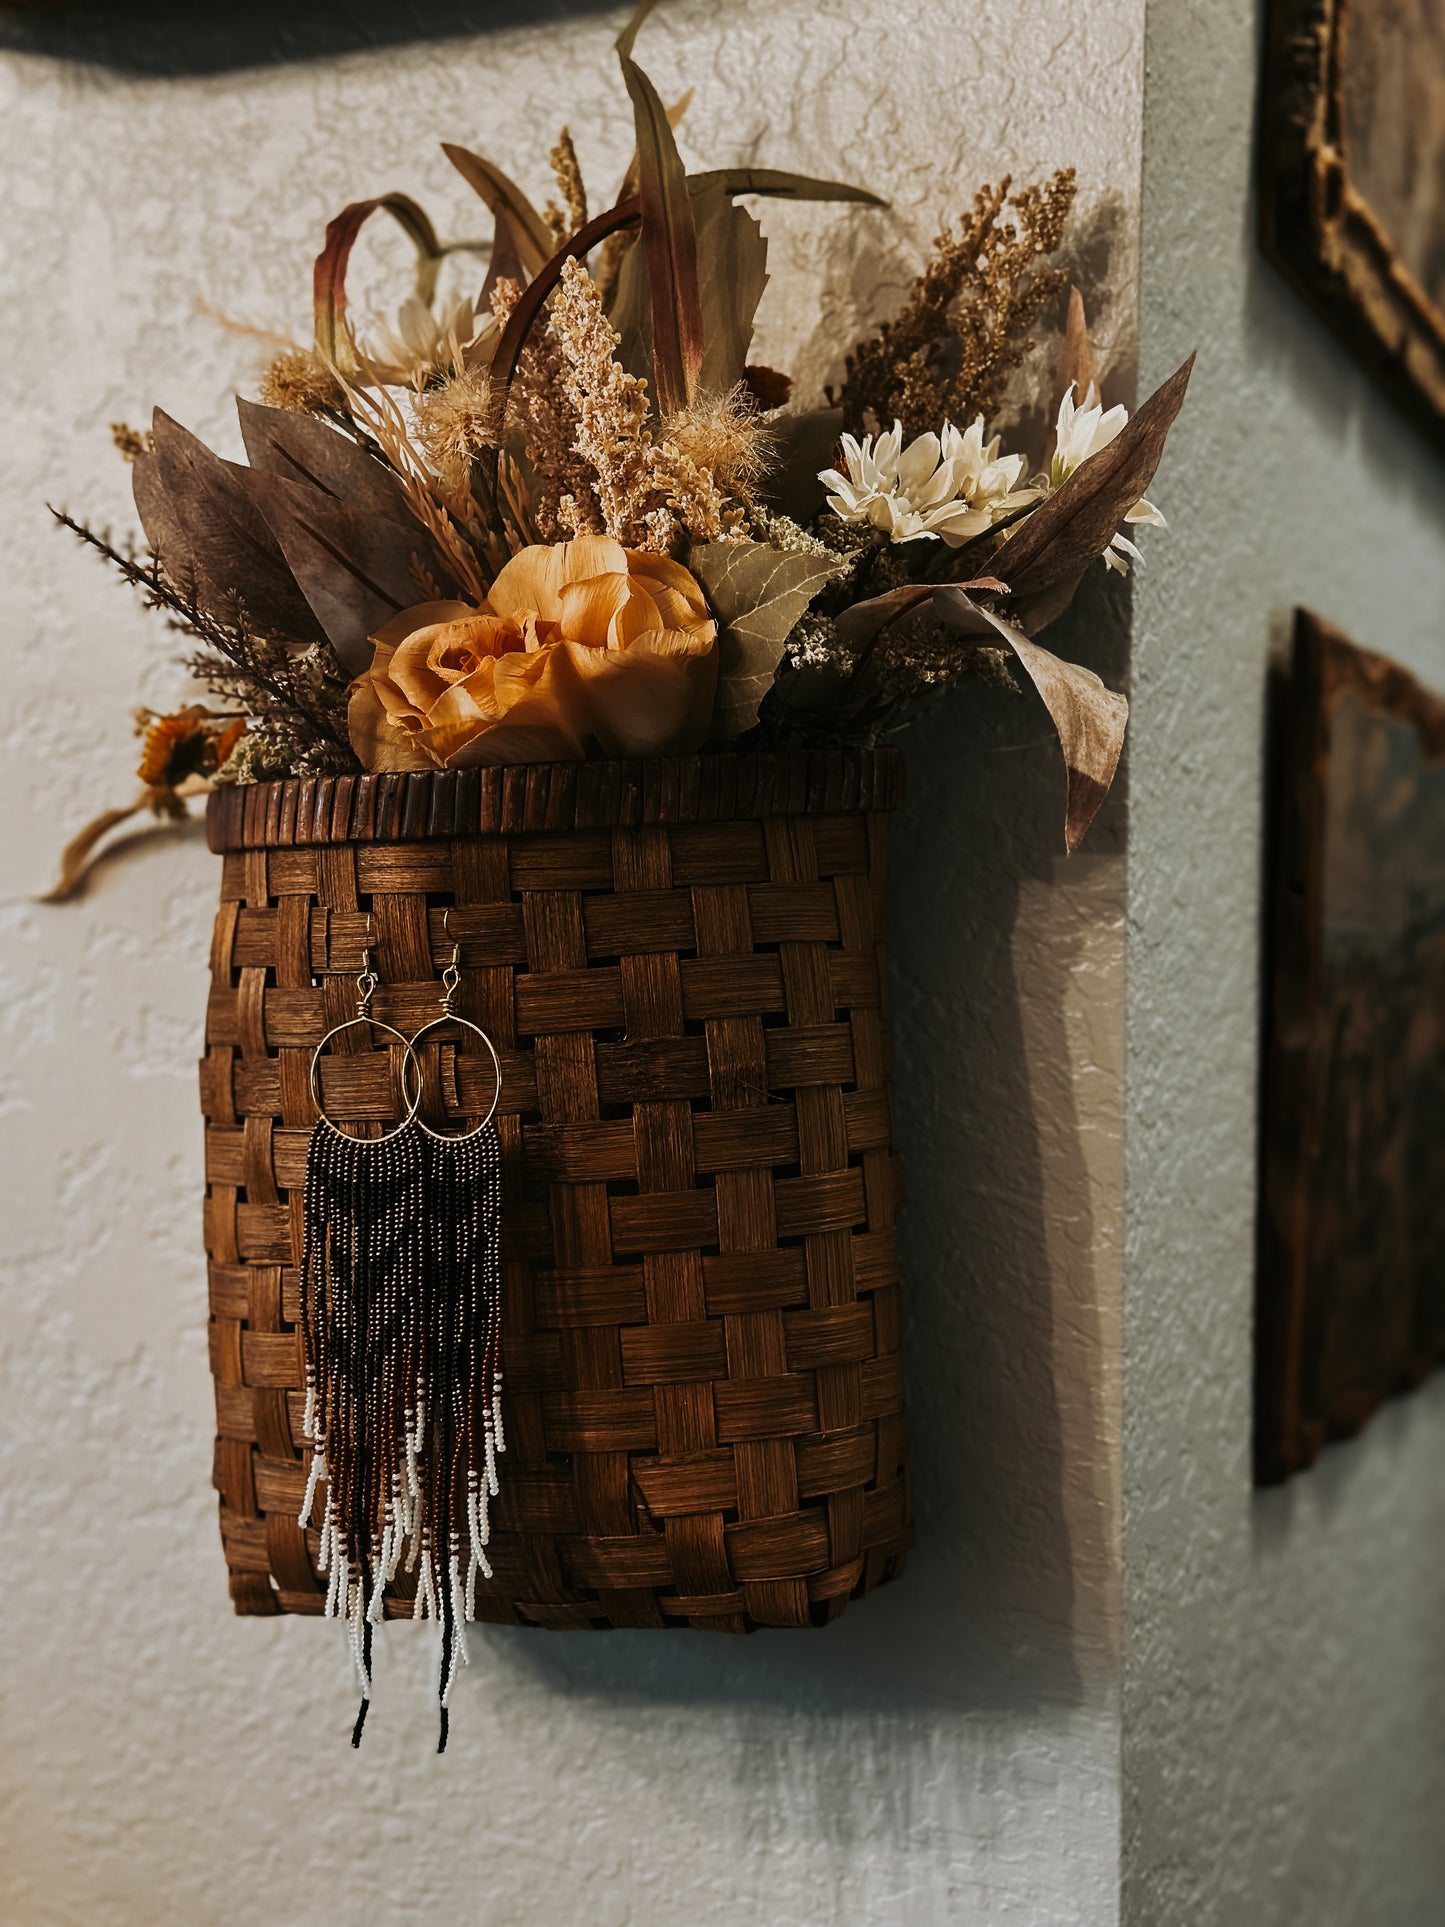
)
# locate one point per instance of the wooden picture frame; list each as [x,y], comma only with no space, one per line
[1352,191]
[1351,1302]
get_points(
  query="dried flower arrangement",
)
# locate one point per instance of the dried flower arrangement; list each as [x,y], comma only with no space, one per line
[571,517]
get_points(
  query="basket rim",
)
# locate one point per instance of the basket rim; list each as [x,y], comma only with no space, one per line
[720,786]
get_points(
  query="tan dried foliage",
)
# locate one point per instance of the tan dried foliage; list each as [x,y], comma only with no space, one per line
[132,442]
[301,382]
[556,472]
[965,327]
[564,221]
[455,421]
[649,493]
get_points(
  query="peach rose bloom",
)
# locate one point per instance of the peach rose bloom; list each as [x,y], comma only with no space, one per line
[579,642]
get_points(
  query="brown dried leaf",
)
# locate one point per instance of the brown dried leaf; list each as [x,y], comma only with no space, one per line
[732,265]
[757,594]
[775,183]
[200,519]
[1077,365]
[328,280]
[303,449]
[1078,522]
[1089,718]
[732,273]
[357,569]
[669,238]
[858,625]
[524,226]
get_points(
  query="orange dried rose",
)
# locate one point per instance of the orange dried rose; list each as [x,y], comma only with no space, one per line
[577,642]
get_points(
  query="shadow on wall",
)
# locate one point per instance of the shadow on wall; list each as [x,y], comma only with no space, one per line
[1006,1604]
[165,38]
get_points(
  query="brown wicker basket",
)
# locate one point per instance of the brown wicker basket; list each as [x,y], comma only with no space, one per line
[681,962]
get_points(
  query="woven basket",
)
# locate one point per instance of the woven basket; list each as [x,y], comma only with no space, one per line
[681,962]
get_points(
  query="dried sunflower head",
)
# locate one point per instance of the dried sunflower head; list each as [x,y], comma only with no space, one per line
[185,746]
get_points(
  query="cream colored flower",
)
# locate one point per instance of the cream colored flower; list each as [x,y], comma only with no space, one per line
[422,344]
[1082,430]
[951,486]
[579,642]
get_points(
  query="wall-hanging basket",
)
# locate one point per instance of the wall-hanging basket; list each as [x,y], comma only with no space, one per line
[682,964]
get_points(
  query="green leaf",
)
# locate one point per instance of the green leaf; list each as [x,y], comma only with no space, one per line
[1089,719]
[527,231]
[669,238]
[1078,521]
[757,594]
[328,281]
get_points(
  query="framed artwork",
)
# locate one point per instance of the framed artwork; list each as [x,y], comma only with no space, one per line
[1352,200]
[1352,1274]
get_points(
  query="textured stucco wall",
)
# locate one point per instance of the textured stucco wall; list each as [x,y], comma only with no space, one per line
[1285,1668]
[950,1751]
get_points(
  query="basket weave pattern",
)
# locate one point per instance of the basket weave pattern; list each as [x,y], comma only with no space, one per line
[681,964]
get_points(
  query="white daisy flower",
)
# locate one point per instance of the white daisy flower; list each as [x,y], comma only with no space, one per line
[1082,430]
[950,487]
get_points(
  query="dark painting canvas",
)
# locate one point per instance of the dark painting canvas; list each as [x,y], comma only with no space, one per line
[1352,200]
[1352,1286]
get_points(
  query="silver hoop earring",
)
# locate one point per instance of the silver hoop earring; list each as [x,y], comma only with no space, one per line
[451,983]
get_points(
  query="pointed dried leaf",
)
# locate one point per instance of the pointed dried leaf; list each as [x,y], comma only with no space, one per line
[757,594]
[505,264]
[304,449]
[526,229]
[357,570]
[732,270]
[200,518]
[1077,365]
[1090,719]
[328,281]
[777,184]
[628,189]
[1078,522]
[858,625]
[669,238]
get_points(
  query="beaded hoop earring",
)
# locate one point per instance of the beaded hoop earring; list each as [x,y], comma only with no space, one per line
[460,1402]
[366,984]
[363,1256]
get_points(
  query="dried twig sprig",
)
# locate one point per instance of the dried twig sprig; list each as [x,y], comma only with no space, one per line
[268,679]
[965,326]
[132,442]
[452,519]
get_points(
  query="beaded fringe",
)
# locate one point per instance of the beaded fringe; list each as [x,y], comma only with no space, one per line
[401,1314]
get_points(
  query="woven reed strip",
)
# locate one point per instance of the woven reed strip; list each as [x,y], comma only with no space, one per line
[682,965]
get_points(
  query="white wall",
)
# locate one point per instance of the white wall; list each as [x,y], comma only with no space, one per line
[950,1751]
[1285,1665]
